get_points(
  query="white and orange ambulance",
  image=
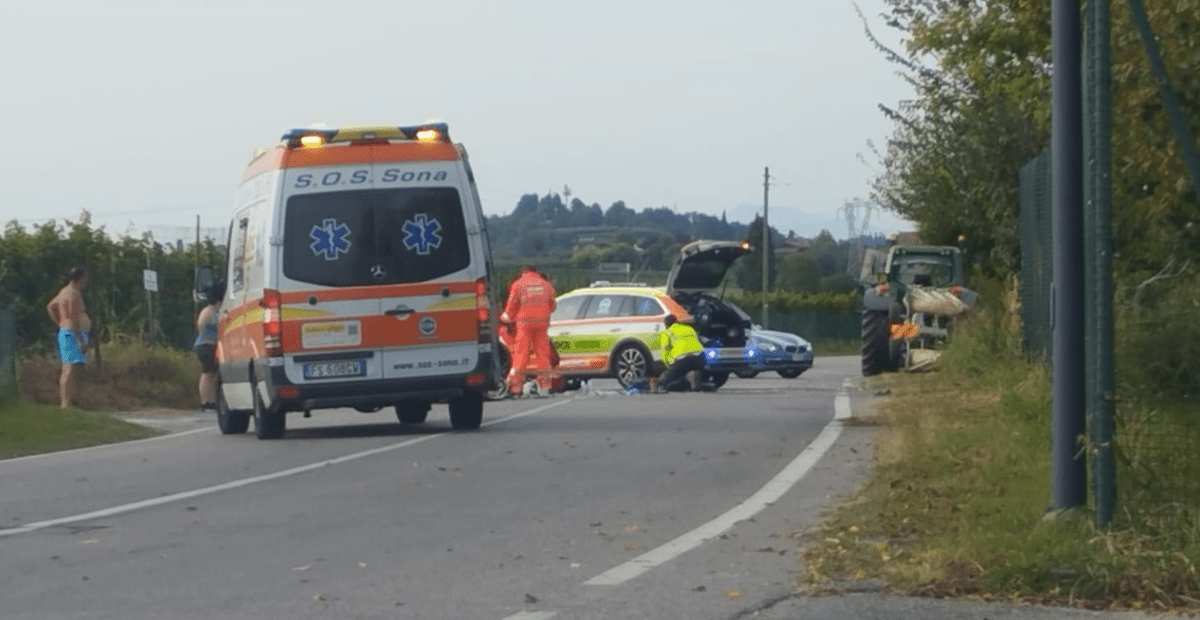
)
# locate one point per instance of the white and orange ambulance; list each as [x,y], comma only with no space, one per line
[359,274]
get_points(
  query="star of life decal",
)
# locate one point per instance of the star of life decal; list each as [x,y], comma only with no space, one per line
[422,234]
[330,239]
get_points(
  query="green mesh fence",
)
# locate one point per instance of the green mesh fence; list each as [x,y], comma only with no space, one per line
[829,333]
[1157,428]
[8,351]
[1037,245]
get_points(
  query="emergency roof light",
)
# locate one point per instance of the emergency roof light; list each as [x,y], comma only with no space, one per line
[429,132]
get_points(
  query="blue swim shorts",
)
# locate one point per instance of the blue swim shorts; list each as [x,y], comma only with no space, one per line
[68,349]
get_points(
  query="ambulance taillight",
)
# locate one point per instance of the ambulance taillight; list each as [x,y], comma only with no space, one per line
[272,322]
[483,310]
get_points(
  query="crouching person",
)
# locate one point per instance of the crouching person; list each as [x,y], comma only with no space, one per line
[681,352]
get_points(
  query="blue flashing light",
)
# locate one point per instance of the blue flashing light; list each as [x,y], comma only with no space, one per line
[711,354]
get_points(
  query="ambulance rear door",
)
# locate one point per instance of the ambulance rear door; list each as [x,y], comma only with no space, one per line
[430,260]
[333,321]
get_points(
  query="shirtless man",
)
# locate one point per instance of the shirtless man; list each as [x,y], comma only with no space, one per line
[67,310]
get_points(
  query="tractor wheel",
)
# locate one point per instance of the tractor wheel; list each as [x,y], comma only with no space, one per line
[876,350]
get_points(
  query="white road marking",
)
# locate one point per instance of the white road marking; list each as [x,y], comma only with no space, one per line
[30,457]
[532,615]
[772,491]
[166,499]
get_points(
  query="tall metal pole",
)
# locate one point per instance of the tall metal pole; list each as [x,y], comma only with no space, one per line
[1069,488]
[766,245]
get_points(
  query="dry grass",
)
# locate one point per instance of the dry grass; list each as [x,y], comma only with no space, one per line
[129,378]
[961,483]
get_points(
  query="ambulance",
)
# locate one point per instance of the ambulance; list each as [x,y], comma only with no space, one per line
[358,274]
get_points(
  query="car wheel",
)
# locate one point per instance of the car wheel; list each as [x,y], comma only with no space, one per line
[267,424]
[746,374]
[466,411]
[876,356]
[630,365]
[230,422]
[412,411]
[716,378]
[789,373]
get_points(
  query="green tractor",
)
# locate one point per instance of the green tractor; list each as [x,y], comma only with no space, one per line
[912,297]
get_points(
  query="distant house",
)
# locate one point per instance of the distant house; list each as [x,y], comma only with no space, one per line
[906,238]
[791,247]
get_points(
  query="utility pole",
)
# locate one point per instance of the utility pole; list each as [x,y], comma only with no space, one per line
[766,245]
[1069,422]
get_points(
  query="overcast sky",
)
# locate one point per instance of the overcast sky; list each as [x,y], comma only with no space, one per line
[144,113]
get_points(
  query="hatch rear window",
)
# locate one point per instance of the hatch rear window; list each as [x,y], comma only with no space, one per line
[370,237]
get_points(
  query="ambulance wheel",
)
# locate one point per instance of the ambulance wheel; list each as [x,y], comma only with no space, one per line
[466,411]
[630,365]
[230,422]
[412,411]
[789,373]
[267,424]
[717,379]
[746,374]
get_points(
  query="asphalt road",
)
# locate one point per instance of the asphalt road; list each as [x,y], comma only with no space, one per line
[578,506]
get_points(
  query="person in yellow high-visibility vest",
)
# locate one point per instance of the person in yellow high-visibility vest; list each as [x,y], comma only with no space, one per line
[681,352]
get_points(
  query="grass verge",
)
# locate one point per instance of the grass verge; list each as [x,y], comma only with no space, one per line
[127,377]
[32,428]
[957,501]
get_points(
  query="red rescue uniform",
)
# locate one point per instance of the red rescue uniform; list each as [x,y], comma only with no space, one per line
[530,303]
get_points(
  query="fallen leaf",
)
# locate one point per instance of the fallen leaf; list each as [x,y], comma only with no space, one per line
[531,599]
[733,594]
[631,529]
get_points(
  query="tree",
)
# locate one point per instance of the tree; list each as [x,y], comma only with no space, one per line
[800,273]
[618,214]
[981,112]
[748,269]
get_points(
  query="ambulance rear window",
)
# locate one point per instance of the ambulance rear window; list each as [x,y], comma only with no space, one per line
[369,237]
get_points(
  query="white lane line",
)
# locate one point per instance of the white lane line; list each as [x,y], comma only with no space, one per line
[773,490]
[30,457]
[532,615]
[166,499]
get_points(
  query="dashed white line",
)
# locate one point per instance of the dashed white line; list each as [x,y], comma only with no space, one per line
[532,615]
[166,499]
[772,491]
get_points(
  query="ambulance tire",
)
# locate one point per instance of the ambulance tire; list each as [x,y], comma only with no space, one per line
[631,365]
[412,411]
[230,422]
[466,411]
[267,424]
[790,373]
[746,374]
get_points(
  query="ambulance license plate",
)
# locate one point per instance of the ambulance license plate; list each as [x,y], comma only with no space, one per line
[330,370]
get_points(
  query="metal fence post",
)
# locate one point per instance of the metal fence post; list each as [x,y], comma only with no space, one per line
[1098,313]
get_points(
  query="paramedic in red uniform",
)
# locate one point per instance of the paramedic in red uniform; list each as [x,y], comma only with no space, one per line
[530,302]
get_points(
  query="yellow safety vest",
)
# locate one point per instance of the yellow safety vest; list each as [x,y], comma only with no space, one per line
[678,339]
